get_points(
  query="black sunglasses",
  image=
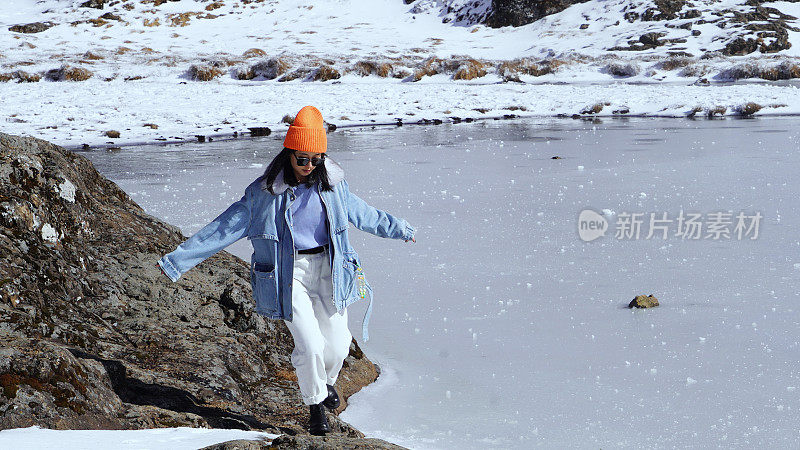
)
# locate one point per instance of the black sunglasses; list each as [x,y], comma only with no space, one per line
[303,160]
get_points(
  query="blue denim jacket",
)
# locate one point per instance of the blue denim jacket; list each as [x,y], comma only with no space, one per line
[266,220]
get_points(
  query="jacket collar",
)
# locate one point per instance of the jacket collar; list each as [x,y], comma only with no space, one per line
[335,175]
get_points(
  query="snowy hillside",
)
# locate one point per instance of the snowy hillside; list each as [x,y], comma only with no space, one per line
[134,59]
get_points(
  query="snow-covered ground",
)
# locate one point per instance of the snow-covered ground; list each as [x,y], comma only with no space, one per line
[183,111]
[501,328]
[140,86]
[182,438]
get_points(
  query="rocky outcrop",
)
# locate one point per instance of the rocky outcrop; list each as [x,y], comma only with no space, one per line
[92,335]
[285,442]
[753,27]
[516,13]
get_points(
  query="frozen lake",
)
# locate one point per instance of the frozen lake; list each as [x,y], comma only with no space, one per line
[501,327]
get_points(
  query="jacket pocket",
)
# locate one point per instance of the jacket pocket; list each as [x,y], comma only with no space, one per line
[265,288]
[350,264]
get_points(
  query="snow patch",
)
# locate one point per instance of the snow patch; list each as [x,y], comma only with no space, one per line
[49,233]
[66,190]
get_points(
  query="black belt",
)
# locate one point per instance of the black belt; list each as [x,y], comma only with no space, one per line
[309,251]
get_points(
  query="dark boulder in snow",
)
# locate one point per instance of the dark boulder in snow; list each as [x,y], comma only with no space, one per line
[522,12]
[97,4]
[651,39]
[93,335]
[35,27]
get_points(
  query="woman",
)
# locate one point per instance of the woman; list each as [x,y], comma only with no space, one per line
[303,268]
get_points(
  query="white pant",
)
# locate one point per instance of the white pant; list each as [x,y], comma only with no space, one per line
[321,337]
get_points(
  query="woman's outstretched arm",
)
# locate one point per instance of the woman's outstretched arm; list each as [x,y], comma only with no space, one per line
[227,228]
[372,220]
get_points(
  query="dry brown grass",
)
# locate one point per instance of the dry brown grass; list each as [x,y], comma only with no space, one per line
[20,63]
[92,56]
[300,73]
[204,72]
[214,5]
[594,109]
[511,70]
[695,70]
[694,111]
[152,126]
[432,66]
[69,73]
[5,77]
[401,73]
[128,6]
[364,68]
[470,69]
[183,19]
[232,61]
[77,74]
[25,77]
[384,70]
[784,71]
[748,109]
[716,111]
[623,69]
[151,22]
[269,69]
[326,73]
[98,22]
[253,52]
[675,62]
[244,73]
[434,41]
[113,134]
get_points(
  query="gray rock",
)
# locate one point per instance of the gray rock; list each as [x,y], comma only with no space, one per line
[643,301]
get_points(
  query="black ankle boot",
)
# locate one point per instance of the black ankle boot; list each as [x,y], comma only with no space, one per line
[318,422]
[332,402]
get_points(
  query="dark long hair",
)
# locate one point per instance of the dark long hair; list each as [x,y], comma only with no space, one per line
[284,162]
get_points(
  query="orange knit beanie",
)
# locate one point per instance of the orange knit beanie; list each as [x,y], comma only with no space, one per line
[307,133]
